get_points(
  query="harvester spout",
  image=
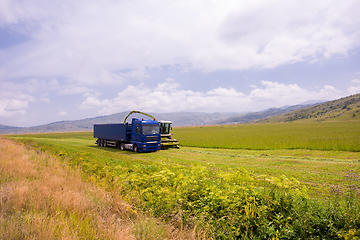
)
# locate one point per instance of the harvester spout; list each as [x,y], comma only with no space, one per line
[140,113]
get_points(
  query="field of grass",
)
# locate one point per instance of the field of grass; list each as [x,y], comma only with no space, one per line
[338,136]
[249,181]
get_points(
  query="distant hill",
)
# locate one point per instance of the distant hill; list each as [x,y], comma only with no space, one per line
[7,128]
[343,109]
[253,116]
[178,119]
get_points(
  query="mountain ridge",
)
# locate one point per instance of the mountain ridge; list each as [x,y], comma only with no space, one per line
[254,116]
[343,109]
[178,119]
[347,108]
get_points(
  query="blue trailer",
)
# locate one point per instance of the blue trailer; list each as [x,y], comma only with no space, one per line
[139,136]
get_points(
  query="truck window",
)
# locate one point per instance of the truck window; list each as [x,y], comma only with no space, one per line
[165,128]
[151,129]
[138,129]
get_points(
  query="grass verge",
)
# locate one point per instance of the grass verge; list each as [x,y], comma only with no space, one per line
[42,197]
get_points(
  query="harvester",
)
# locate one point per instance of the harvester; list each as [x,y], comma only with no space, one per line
[165,127]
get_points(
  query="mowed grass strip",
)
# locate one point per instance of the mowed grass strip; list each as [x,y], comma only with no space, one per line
[336,136]
[318,169]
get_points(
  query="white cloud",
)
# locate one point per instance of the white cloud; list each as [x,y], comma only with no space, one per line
[74,90]
[13,107]
[87,47]
[44,98]
[103,77]
[354,89]
[16,105]
[15,97]
[93,101]
[161,99]
[277,91]
[278,94]
[355,81]
[92,41]
[168,85]
[31,85]
[27,90]
[62,113]
[53,82]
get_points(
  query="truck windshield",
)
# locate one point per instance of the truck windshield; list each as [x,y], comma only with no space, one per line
[151,129]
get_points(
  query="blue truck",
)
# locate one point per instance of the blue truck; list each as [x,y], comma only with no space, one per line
[139,136]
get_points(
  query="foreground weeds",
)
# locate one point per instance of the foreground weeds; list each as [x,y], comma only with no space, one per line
[217,203]
[229,205]
[43,198]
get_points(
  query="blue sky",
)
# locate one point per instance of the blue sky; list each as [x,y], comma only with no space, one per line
[67,60]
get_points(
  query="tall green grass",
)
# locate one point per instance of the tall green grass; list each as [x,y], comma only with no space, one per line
[338,136]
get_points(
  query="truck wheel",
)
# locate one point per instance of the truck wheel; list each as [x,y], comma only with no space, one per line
[98,142]
[105,143]
[136,148]
[122,146]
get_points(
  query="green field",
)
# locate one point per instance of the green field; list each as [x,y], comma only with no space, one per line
[265,181]
[338,136]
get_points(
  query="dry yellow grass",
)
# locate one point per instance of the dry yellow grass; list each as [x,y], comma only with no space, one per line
[42,198]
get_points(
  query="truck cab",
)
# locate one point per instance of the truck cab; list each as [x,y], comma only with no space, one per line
[145,135]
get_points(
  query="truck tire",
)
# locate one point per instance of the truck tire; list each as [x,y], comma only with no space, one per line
[105,143]
[98,142]
[136,148]
[122,146]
